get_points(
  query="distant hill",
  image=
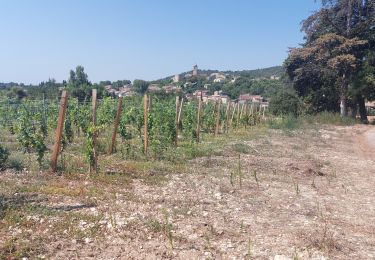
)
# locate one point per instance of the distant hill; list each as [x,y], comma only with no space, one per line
[257,73]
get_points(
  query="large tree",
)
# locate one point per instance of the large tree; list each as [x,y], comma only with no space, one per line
[338,41]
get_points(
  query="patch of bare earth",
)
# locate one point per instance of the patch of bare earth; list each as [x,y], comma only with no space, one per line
[308,194]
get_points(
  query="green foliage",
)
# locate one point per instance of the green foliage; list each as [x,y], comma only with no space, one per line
[241,148]
[68,130]
[285,103]
[17,92]
[80,87]
[124,133]
[329,119]
[32,131]
[79,114]
[162,126]
[286,123]
[106,111]
[89,148]
[140,86]
[4,154]
[208,118]
[244,85]
[189,121]
[337,59]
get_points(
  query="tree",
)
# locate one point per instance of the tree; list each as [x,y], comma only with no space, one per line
[120,83]
[78,84]
[17,92]
[140,86]
[341,29]
[285,103]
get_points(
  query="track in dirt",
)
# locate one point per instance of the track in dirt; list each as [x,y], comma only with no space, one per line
[370,138]
[366,143]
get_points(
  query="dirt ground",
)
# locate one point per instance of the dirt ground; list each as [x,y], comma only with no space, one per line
[302,194]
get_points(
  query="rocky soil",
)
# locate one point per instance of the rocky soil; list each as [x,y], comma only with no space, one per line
[303,194]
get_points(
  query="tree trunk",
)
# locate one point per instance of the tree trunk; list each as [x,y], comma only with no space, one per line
[343,98]
[353,111]
[362,110]
[343,107]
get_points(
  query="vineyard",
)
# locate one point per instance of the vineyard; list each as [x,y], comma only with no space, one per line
[173,178]
[58,134]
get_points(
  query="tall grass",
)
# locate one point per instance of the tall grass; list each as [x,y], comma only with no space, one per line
[330,119]
[289,122]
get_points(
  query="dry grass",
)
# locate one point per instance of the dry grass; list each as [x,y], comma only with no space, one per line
[303,194]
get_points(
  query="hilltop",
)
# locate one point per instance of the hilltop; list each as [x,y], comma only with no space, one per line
[265,82]
[261,73]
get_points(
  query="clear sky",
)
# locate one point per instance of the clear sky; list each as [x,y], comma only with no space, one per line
[146,39]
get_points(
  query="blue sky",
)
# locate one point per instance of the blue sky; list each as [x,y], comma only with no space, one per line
[146,39]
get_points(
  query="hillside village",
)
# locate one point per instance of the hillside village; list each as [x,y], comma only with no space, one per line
[180,83]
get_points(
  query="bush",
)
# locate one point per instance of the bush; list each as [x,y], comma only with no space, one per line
[4,154]
[285,103]
[286,123]
[332,119]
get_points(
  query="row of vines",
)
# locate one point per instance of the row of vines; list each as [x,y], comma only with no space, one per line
[32,125]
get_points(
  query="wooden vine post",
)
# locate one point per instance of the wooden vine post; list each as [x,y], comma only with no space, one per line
[59,130]
[246,111]
[264,110]
[227,117]
[242,109]
[233,112]
[199,117]
[177,117]
[238,115]
[94,107]
[145,116]
[115,126]
[180,111]
[217,118]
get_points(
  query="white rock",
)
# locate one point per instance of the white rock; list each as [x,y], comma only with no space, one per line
[218,196]
[281,257]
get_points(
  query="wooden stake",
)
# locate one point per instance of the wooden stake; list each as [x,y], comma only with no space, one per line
[217,118]
[145,130]
[242,108]
[149,103]
[59,129]
[94,106]
[264,110]
[198,118]
[177,115]
[227,117]
[238,115]
[245,110]
[115,126]
[180,111]
[234,111]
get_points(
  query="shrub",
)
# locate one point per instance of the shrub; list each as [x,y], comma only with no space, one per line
[333,119]
[285,123]
[4,154]
[285,103]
